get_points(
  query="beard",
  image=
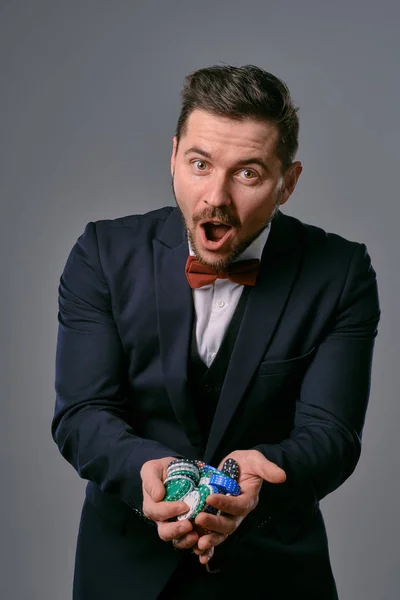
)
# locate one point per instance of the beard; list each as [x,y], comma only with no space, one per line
[223,215]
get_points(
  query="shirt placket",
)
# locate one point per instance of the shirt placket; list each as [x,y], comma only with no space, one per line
[215,333]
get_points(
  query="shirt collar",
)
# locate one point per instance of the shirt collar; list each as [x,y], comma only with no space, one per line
[253,251]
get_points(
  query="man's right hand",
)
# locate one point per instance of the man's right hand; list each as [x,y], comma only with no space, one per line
[153,474]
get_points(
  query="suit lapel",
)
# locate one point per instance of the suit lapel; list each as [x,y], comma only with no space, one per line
[279,266]
[175,314]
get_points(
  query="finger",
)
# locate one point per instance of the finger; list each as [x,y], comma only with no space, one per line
[219,524]
[201,530]
[162,511]
[186,541]
[269,471]
[170,531]
[257,464]
[206,542]
[152,482]
[204,558]
[232,505]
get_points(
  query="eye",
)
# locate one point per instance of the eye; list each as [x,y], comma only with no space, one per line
[199,165]
[248,174]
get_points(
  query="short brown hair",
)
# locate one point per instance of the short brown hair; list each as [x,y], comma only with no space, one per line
[239,93]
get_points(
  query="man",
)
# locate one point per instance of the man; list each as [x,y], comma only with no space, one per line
[221,328]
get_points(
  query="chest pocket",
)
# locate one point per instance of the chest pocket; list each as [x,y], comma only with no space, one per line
[295,366]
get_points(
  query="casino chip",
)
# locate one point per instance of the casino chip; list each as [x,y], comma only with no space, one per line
[225,484]
[212,489]
[192,481]
[208,470]
[204,480]
[231,468]
[177,489]
[193,500]
[186,461]
[184,468]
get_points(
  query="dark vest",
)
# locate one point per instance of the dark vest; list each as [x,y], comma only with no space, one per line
[205,383]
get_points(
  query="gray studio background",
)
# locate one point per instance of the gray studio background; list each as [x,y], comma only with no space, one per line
[88,103]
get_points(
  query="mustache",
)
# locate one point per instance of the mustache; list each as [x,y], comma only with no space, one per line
[216,214]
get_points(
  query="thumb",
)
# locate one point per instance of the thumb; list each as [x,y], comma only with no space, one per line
[268,470]
[153,485]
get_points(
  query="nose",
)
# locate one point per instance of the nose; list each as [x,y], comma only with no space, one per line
[217,193]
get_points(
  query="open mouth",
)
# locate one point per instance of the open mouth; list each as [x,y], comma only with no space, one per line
[215,236]
[215,231]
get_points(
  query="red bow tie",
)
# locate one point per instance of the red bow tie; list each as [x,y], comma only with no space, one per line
[243,272]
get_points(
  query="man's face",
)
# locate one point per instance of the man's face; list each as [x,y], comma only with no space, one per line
[228,183]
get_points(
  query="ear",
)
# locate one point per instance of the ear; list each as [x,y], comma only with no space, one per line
[173,155]
[290,180]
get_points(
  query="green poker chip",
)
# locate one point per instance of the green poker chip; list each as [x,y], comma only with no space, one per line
[176,490]
[204,492]
[178,478]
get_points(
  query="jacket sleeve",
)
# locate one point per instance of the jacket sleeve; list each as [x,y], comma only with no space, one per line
[89,424]
[325,443]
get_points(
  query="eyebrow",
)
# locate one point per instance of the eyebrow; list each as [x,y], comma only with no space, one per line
[248,161]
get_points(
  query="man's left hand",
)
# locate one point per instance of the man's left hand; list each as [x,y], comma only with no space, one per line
[253,469]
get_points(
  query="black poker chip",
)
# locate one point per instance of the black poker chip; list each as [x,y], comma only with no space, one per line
[231,468]
[185,461]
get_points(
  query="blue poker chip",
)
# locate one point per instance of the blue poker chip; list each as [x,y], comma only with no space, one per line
[211,510]
[225,484]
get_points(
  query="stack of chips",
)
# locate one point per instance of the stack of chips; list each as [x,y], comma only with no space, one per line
[193,481]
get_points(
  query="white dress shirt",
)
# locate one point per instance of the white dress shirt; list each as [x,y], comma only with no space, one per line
[215,304]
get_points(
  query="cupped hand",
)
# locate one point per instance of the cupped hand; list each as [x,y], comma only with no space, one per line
[253,469]
[153,474]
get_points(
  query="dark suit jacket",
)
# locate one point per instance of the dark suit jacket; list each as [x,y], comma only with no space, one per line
[296,388]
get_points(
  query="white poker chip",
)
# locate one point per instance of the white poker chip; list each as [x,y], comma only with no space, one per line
[192,499]
[183,467]
[205,481]
[177,478]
